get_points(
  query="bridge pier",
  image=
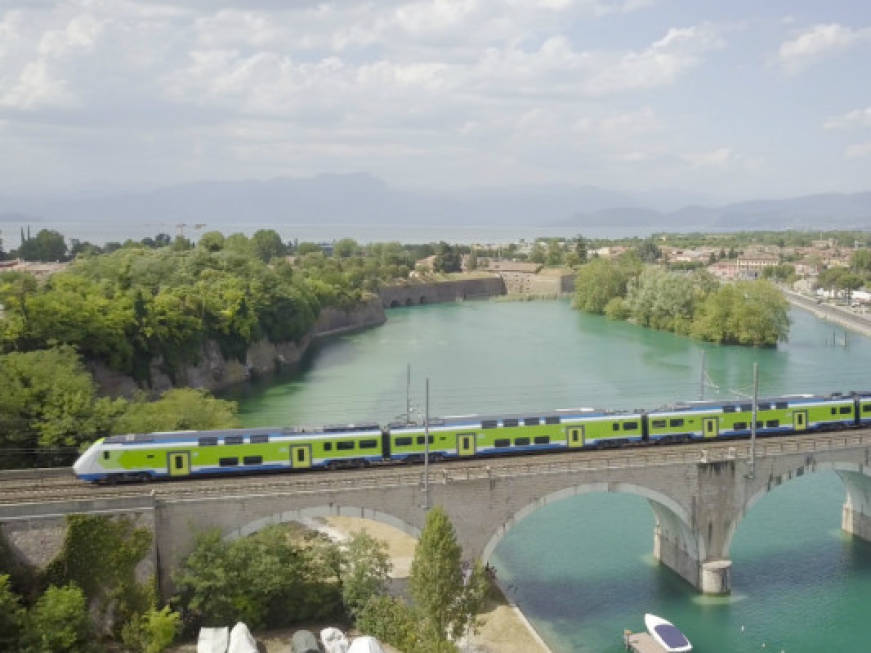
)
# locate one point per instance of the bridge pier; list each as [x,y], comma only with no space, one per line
[856,513]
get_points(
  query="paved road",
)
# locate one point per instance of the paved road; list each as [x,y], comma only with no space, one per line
[848,319]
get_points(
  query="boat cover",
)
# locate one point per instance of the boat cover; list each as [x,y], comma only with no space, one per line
[213,640]
[365,645]
[241,640]
[303,641]
[671,636]
[334,641]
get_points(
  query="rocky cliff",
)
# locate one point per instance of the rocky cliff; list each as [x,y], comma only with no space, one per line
[214,372]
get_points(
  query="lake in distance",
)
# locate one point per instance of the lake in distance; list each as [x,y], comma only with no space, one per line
[580,575]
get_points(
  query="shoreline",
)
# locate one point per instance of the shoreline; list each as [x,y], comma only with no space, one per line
[858,323]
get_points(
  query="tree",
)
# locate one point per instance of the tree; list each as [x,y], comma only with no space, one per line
[447,258]
[437,577]
[346,248]
[211,241]
[581,249]
[177,410]
[59,623]
[48,245]
[537,254]
[267,244]
[151,632]
[648,251]
[365,569]
[597,283]
[11,616]
[745,313]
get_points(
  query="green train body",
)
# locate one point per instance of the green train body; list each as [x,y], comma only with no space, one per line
[202,453]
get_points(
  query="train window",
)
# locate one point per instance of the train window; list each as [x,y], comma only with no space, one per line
[208,441]
[630,426]
[252,460]
[179,462]
[403,442]
[746,407]
[739,426]
[420,439]
[675,422]
[509,422]
[728,409]
[763,406]
[834,411]
[615,426]
[846,410]
[105,455]
[261,438]
[328,446]
[233,439]
[552,420]
[300,455]
[759,424]
[151,455]
[772,423]
[781,405]
[489,424]
[228,462]
[532,421]
[658,423]
[502,443]
[866,408]
[368,444]
[542,439]
[344,446]
[520,442]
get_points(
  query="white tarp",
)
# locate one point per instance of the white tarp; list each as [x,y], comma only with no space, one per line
[334,641]
[213,640]
[365,645]
[241,640]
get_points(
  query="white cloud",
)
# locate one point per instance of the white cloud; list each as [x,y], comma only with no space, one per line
[855,118]
[817,41]
[718,158]
[858,150]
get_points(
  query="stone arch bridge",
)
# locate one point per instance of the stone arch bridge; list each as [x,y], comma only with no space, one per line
[698,493]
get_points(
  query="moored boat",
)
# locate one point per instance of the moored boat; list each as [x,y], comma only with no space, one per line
[666,634]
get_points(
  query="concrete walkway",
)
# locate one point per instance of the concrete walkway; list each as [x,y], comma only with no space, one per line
[858,322]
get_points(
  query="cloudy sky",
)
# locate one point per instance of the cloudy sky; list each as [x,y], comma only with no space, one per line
[733,99]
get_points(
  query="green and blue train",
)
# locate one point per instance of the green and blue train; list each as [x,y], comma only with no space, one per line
[183,454]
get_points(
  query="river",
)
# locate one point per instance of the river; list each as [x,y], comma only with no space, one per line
[580,575]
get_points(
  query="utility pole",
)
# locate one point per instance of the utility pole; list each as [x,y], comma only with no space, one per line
[753,423]
[426,450]
[408,394]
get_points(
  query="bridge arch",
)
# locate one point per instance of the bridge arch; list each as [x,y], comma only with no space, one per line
[671,518]
[856,478]
[312,512]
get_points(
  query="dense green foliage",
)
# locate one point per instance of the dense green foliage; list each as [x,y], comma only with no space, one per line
[88,595]
[49,407]
[746,313]
[365,571]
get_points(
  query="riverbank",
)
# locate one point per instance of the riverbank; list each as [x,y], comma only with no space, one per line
[844,317]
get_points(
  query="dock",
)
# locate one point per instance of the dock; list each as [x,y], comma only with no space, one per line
[641,643]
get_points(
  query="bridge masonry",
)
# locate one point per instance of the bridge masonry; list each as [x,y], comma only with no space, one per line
[698,496]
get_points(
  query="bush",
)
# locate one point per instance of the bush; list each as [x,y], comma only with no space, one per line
[59,623]
[151,632]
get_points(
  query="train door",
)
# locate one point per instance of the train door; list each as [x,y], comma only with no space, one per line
[466,444]
[179,463]
[799,420]
[576,436]
[301,456]
[711,427]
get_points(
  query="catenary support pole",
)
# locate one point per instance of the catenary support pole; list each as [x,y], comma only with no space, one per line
[702,379]
[408,393]
[426,451]
[753,423]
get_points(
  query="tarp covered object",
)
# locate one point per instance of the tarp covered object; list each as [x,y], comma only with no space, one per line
[304,642]
[213,640]
[241,640]
[334,641]
[365,645]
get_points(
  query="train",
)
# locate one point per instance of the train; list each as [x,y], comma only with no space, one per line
[187,454]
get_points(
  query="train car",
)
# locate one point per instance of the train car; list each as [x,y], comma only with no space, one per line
[476,435]
[781,415]
[863,407]
[183,454]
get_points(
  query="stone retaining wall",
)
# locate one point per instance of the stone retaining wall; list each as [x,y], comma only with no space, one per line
[412,294]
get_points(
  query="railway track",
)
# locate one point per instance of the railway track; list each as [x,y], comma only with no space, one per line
[41,486]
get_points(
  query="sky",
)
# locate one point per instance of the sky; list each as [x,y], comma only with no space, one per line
[733,100]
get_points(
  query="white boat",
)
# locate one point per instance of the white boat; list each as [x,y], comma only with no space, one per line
[666,634]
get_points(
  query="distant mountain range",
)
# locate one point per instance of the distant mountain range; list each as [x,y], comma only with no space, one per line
[350,199]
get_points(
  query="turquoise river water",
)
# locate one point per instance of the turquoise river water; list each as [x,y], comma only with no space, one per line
[581,569]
